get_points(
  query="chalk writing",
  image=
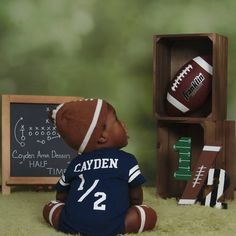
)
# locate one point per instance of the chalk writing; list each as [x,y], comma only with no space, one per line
[36,147]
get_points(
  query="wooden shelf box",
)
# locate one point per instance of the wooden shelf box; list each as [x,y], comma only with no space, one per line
[206,126]
[211,133]
[171,52]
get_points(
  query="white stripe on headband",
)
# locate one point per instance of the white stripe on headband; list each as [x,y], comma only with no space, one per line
[91,127]
[54,112]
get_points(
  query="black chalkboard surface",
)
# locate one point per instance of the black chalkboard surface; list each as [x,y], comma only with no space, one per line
[33,153]
[36,147]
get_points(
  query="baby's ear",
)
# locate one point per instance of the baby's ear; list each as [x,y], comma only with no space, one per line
[103,138]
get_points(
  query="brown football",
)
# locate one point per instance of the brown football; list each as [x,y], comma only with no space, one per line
[190,87]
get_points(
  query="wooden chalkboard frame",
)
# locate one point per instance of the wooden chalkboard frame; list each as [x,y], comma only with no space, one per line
[7,100]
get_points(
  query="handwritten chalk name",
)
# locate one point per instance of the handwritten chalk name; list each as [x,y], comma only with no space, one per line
[22,157]
[54,154]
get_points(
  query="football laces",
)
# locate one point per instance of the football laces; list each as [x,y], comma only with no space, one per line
[181,76]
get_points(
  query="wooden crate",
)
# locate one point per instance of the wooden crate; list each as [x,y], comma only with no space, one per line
[206,133]
[206,126]
[173,51]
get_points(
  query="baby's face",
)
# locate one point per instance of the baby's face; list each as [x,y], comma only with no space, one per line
[115,130]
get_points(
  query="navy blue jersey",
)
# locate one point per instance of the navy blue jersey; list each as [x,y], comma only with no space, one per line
[98,199]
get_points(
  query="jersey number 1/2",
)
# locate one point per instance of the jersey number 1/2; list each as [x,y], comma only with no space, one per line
[97,205]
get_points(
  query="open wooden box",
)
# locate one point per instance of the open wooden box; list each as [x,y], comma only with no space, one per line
[206,126]
[171,52]
[216,133]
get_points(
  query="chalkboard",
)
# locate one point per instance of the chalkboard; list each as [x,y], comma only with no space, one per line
[32,150]
[36,147]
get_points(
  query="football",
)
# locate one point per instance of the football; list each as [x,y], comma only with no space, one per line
[190,87]
[147,217]
[140,218]
[52,211]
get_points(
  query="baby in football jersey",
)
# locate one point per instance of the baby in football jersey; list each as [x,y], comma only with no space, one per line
[100,194]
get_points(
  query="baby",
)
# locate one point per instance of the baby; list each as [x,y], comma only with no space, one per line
[100,193]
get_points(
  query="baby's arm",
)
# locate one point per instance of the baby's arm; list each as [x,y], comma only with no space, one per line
[139,217]
[62,188]
[136,195]
[61,196]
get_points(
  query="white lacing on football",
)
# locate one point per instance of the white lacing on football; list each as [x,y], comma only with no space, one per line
[181,76]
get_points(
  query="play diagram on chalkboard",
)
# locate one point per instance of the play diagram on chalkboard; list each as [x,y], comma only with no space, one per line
[42,133]
[36,147]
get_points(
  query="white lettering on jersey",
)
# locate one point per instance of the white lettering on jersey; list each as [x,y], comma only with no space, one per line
[97,164]
[105,163]
[100,196]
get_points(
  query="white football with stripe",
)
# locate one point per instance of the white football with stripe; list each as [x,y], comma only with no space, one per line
[190,87]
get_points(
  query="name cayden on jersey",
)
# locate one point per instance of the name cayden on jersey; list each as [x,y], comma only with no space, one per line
[98,184]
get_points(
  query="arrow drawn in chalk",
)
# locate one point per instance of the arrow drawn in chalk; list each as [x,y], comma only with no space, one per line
[49,138]
[41,141]
[22,144]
